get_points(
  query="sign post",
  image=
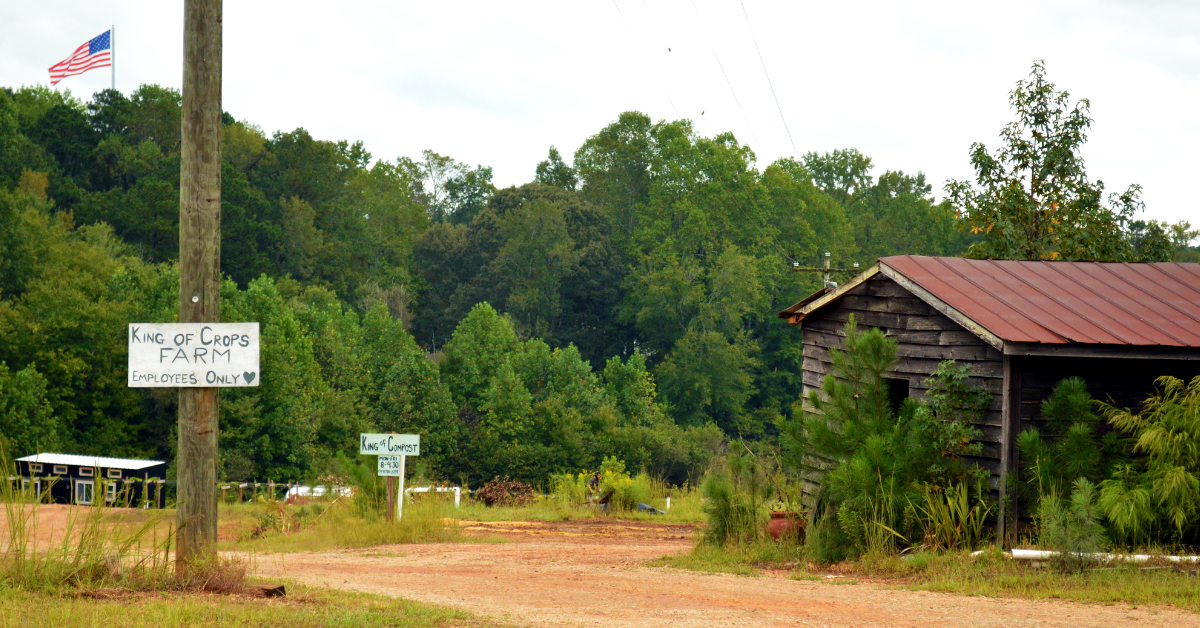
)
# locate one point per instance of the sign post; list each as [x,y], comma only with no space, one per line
[392,450]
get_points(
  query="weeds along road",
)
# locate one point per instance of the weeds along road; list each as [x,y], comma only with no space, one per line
[593,573]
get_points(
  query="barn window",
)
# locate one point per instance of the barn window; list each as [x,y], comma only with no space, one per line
[86,472]
[110,492]
[60,469]
[897,392]
[114,474]
[35,468]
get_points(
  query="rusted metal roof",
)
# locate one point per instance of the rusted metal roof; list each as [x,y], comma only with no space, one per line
[1052,302]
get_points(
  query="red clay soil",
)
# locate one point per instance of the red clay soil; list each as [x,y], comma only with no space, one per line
[593,573]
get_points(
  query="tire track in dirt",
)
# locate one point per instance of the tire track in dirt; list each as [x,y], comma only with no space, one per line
[593,573]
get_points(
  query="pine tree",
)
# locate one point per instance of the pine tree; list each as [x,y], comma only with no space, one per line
[1072,446]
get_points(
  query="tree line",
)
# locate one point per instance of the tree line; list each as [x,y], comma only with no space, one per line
[622,303]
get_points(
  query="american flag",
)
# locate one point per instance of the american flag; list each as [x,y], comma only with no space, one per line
[96,53]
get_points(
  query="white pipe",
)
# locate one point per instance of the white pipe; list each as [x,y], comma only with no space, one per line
[1026,554]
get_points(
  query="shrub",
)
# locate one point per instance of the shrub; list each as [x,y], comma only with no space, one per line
[1072,528]
[370,494]
[948,416]
[879,457]
[1073,448]
[621,491]
[737,496]
[570,489]
[1160,492]
[952,519]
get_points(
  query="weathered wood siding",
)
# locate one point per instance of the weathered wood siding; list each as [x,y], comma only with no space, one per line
[1122,382]
[924,338]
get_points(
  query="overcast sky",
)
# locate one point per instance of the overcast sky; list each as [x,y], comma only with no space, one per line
[911,84]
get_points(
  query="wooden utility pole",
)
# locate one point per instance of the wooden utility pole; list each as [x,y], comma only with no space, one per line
[199,273]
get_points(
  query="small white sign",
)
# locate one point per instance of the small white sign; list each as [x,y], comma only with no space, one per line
[193,355]
[389,466]
[390,444]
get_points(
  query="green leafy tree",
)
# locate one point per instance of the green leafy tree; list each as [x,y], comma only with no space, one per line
[631,389]
[1033,198]
[273,428]
[555,172]
[537,255]
[415,400]
[26,421]
[478,349]
[844,174]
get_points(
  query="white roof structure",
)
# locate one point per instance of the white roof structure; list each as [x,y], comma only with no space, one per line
[91,461]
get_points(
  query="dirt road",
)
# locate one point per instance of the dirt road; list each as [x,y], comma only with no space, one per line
[593,573]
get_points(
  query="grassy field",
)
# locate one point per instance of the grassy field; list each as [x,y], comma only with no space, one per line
[302,608]
[318,525]
[684,509]
[322,526]
[991,574]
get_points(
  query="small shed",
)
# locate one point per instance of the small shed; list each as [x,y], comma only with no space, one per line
[1022,326]
[84,480]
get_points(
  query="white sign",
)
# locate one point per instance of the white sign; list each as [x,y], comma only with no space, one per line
[193,355]
[391,444]
[389,466]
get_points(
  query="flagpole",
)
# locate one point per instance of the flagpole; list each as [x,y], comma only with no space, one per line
[112,45]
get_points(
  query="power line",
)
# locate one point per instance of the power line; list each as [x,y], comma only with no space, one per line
[765,73]
[735,99]
[728,82]
[660,85]
[756,211]
[689,90]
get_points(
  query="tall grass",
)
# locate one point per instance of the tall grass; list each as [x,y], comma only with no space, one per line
[344,524]
[618,489]
[97,547]
[952,520]
[737,494]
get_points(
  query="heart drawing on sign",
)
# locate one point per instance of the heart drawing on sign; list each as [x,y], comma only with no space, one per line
[249,377]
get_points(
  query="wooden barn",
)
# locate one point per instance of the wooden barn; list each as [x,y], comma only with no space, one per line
[1022,326]
[85,480]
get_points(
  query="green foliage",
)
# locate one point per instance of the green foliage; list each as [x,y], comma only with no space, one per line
[952,518]
[370,495]
[26,422]
[1072,447]
[894,215]
[1159,493]
[554,172]
[881,460]
[951,410]
[630,292]
[1072,528]
[476,352]
[737,494]
[1033,198]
